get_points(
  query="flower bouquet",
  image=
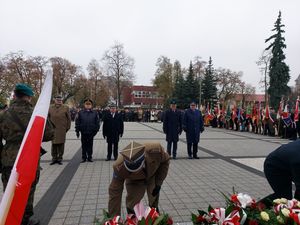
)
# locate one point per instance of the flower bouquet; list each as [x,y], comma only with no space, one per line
[142,216]
[242,209]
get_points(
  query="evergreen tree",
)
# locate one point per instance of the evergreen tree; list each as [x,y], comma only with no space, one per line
[178,93]
[278,70]
[191,90]
[209,83]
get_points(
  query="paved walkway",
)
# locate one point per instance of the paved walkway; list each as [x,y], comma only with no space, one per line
[75,193]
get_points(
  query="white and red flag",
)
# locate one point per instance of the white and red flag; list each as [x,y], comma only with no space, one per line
[23,173]
[296,116]
[268,115]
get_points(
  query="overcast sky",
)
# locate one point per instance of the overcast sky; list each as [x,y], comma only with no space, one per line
[232,32]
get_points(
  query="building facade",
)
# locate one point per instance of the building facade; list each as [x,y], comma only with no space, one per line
[139,96]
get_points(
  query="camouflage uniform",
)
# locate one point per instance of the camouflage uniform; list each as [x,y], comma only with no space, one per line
[13,133]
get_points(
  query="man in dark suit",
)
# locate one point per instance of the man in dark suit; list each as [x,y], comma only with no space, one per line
[193,126]
[172,127]
[282,167]
[113,128]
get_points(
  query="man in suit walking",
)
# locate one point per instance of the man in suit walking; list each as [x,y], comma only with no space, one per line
[172,127]
[193,126]
[113,128]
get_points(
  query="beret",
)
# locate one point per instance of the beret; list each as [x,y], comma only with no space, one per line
[25,89]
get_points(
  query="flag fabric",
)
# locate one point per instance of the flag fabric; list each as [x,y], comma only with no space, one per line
[234,115]
[268,115]
[280,109]
[23,173]
[208,113]
[248,112]
[296,116]
[286,117]
[228,113]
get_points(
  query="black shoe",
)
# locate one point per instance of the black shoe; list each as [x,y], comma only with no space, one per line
[33,221]
[196,157]
[174,157]
[83,161]
[59,162]
[90,160]
[53,162]
[107,159]
[190,157]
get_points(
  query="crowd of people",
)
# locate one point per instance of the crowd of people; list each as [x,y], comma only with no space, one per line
[138,163]
[284,123]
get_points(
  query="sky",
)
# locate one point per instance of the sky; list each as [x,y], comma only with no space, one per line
[232,32]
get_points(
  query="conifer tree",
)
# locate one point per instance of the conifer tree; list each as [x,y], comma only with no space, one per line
[278,70]
[178,93]
[209,83]
[191,90]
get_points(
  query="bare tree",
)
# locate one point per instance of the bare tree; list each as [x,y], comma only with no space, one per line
[119,65]
[228,83]
[95,75]
[263,63]
[64,76]
[246,90]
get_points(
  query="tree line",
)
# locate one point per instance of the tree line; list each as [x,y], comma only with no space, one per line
[200,82]
[102,81]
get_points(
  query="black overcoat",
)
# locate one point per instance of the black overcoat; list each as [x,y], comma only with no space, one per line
[172,125]
[113,127]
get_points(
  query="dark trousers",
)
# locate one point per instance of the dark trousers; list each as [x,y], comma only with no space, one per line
[195,149]
[87,146]
[110,150]
[6,171]
[169,147]
[57,151]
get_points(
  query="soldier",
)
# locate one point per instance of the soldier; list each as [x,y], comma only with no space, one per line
[143,167]
[88,124]
[113,128]
[59,115]
[13,123]
[172,127]
[193,126]
[281,168]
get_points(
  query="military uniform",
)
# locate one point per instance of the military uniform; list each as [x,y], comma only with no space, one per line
[12,132]
[140,173]
[60,116]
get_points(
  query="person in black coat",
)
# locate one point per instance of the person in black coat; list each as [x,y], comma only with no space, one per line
[113,128]
[282,167]
[193,126]
[172,127]
[87,123]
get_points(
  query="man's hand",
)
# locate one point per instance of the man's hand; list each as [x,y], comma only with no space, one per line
[121,135]
[77,134]
[104,136]
[156,190]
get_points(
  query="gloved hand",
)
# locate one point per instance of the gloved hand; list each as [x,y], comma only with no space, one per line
[156,190]
[77,134]
[121,135]
[202,129]
[104,136]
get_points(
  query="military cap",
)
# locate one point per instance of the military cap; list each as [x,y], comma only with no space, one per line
[58,97]
[173,102]
[24,89]
[88,100]
[134,156]
[112,105]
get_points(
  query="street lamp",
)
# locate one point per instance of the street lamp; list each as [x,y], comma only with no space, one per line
[200,90]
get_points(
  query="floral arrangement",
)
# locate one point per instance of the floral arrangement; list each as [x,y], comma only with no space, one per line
[242,209]
[142,216]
